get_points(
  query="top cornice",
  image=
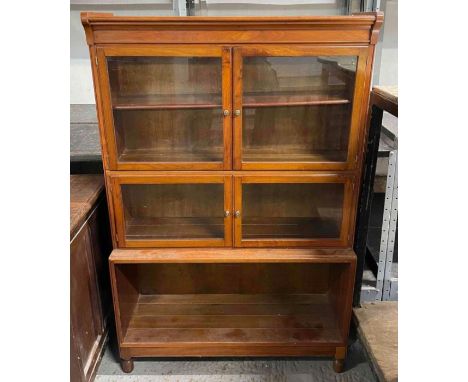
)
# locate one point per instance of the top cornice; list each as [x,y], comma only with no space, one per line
[371,21]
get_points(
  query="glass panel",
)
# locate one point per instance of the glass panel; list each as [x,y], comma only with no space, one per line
[297,109]
[173,211]
[167,109]
[184,135]
[292,211]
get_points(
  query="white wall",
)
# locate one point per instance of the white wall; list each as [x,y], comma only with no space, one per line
[386,56]
[269,7]
[81,83]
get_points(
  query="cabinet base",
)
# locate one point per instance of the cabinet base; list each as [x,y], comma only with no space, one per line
[237,351]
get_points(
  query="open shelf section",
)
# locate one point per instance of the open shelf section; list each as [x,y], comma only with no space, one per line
[232,304]
[173,101]
[232,255]
[291,99]
[232,318]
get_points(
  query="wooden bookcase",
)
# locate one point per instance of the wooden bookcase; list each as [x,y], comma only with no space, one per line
[232,150]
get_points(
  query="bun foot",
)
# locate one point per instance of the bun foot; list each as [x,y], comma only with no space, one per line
[338,365]
[126,365]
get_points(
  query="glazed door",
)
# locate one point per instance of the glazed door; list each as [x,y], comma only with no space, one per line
[292,210]
[294,107]
[172,210]
[166,107]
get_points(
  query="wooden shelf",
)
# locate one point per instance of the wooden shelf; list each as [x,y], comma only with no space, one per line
[248,155]
[232,255]
[151,155]
[292,99]
[249,319]
[174,228]
[288,228]
[179,101]
[296,154]
[193,101]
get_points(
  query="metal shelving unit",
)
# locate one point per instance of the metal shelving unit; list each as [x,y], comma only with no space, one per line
[376,278]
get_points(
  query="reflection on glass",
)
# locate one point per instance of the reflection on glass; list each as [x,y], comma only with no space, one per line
[292,211]
[172,81]
[297,109]
[167,109]
[185,135]
[173,211]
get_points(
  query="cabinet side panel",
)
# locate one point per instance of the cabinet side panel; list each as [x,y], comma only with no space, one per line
[341,280]
[125,293]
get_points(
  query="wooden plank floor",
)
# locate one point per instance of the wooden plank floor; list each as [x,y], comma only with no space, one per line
[377,325]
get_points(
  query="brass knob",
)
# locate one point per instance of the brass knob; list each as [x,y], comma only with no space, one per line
[237,214]
[237,113]
[226,113]
[227,213]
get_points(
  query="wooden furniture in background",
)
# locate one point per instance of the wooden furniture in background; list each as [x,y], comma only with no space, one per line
[232,150]
[90,247]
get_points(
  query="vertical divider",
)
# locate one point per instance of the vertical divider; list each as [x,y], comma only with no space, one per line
[237,207]
[237,105]
[228,196]
[226,58]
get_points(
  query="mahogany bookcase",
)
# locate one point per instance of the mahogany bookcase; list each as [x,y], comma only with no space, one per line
[232,150]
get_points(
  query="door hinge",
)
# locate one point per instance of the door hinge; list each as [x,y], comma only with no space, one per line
[95,59]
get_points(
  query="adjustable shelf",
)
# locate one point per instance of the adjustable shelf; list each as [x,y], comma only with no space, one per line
[215,154]
[287,154]
[175,228]
[292,99]
[173,101]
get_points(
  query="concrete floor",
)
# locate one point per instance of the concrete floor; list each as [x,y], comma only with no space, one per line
[238,369]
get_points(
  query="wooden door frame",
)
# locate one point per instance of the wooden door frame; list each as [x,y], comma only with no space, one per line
[300,50]
[138,50]
[119,178]
[344,241]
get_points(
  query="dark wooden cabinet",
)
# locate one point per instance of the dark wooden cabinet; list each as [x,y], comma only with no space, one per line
[232,150]
[89,279]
